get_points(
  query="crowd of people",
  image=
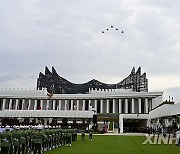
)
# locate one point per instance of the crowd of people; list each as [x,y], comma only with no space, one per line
[37,139]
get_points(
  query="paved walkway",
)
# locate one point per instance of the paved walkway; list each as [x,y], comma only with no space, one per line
[123,134]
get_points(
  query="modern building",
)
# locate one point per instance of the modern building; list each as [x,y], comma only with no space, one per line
[164,116]
[123,108]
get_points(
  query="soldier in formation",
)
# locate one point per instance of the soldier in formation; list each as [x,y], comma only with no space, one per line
[23,140]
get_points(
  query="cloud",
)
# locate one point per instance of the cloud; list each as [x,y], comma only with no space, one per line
[67,35]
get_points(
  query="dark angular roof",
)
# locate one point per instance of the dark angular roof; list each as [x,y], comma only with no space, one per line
[59,85]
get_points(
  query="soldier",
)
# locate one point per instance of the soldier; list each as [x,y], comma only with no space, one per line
[69,137]
[83,136]
[50,136]
[90,135]
[23,140]
[60,137]
[16,135]
[64,136]
[45,142]
[73,134]
[38,140]
[31,140]
[6,141]
[27,138]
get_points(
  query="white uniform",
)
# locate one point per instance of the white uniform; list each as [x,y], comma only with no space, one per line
[177,137]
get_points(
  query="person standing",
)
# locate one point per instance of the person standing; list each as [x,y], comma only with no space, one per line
[69,137]
[90,135]
[178,137]
[16,136]
[83,136]
[6,141]
[38,141]
[23,140]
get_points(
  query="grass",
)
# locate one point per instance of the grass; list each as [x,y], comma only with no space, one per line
[102,144]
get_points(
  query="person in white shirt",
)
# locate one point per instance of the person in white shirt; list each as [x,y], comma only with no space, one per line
[178,137]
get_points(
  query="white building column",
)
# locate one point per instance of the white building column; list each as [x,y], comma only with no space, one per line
[146,105]
[4,102]
[120,106]
[65,105]
[78,105]
[107,109]
[41,104]
[139,102]
[23,102]
[90,105]
[101,106]
[16,105]
[114,106]
[35,104]
[47,105]
[29,104]
[132,103]
[10,104]
[126,105]
[121,123]
[113,126]
[60,102]
[71,104]
[54,102]
[83,107]
[95,105]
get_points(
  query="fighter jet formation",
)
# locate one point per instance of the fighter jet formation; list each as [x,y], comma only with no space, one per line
[111,28]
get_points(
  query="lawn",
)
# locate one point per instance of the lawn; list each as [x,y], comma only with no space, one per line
[103,144]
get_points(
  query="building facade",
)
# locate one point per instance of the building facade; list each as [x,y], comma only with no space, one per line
[123,108]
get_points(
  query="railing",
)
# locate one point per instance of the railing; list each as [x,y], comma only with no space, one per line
[46,113]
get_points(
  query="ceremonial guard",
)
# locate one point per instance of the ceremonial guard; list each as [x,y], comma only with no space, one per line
[90,135]
[83,136]
[38,140]
[23,140]
[69,137]
[6,141]
[16,136]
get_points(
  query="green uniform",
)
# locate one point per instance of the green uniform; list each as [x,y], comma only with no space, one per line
[45,141]
[83,136]
[64,137]
[6,141]
[23,141]
[90,136]
[69,137]
[38,141]
[50,137]
[16,135]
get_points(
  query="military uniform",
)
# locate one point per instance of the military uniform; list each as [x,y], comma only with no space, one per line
[64,137]
[83,136]
[69,137]
[45,141]
[23,141]
[16,136]
[6,142]
[38,140]
[50,137]
[90,135]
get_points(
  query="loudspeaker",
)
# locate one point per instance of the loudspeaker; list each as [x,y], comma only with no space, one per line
[95,119]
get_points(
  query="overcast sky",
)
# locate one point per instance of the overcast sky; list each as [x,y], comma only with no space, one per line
[67,34]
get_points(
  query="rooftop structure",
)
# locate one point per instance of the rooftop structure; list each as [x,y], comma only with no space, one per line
[56,84]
